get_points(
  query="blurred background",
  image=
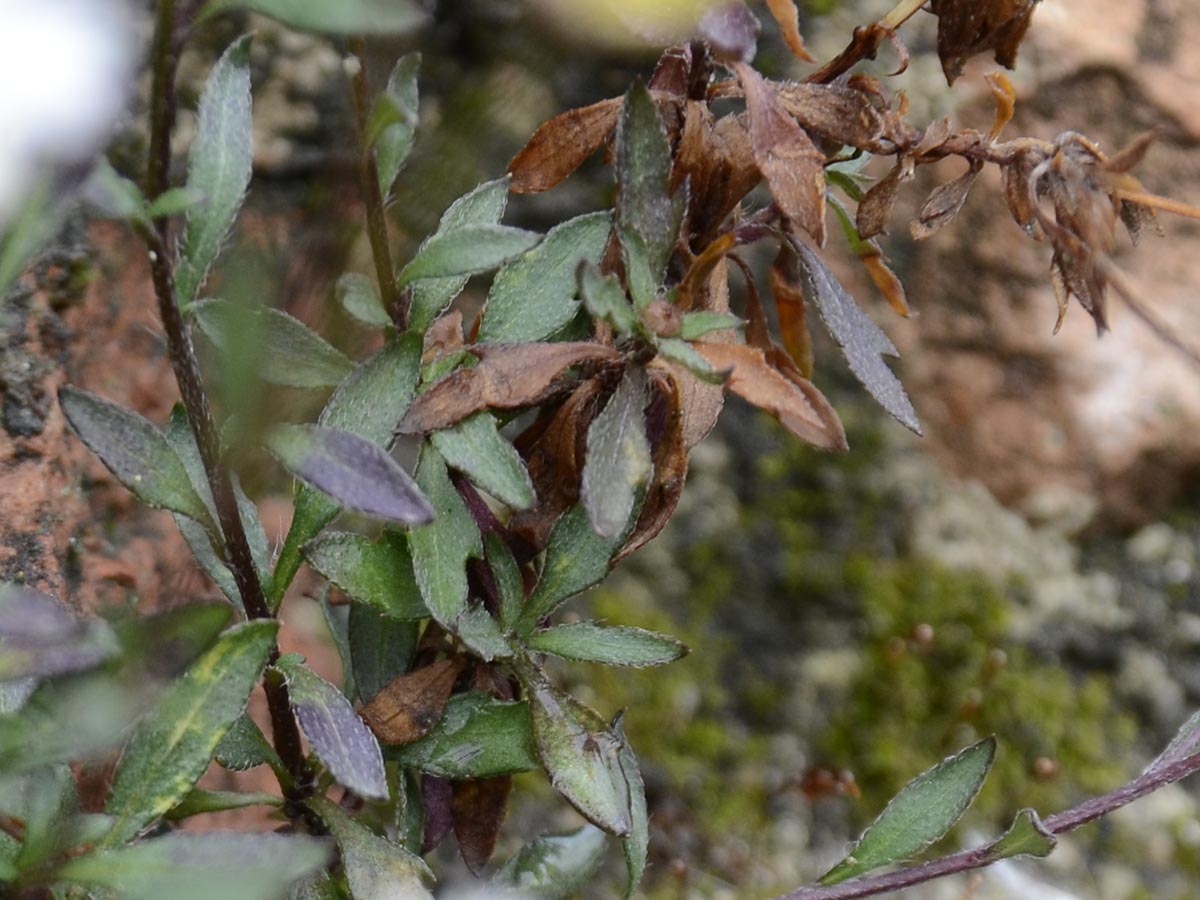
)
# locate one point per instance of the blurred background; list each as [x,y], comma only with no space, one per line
[1029,568]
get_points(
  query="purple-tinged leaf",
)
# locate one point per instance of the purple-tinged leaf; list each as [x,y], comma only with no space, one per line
[436,802]
[353,471]
[341,740]
[39,637]
[861,341]
[1185,743]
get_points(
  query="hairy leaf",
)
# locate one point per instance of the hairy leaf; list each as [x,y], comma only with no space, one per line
[348,17]
[381,648]
[576,559]
[173,745]
[924,810]
[618,457]
[534,296]
[360,298]
[199,801]
[1026,836]
[440,550]
[353,471]
[644,202]
[479,631]
[475,448]
[378,573]
[376,869]
[467,250]
[219,166]
[609,645]
[478,736]
[556,866]
[394,120]
[507,574]
[337,735]
[201,866]
[244,747]
[605,299]
[135,452]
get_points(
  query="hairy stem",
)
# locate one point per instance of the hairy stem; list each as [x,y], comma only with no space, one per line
[195,399]
[394,300]
[1061,823]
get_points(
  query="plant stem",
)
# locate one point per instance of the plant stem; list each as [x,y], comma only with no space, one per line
[394,300]
[866,42]
[195,399]
[1061,823]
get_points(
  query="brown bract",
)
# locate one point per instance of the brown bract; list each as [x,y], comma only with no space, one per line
[786,155]
[409,706]
[788,396]
[509,376]
[968,27]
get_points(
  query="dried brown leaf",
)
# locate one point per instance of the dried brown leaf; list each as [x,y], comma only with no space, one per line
[793,400]
[479,807]
[561,145]
[944,204]
[1005,96]
[837,112]
[968,27]
[788,17]
[786,155]
[784,279]
[701,402]
[888,283]
[875,211]
[409,706]
[509,376]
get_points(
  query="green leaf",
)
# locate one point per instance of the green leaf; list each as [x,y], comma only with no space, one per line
[50,805]
[611,646]
[643,284]
[475,448]
[1026,836]
[199,801]
[341,740]
[509,583]
[576,559]
[484,205]
[353,471]
[346,17]
[368,403]
[680,351]
[164,644]
[618,460]
[381,647]
[924,810]
[478,736]
[244,747]
[219,167]
[554,867]
[359,297]
[135,452]
[645,206]
[478,630]
[174,201]
[173,745]
[581,756]
[534,296]
[290,353]
[636,845]
[114,195]
[605,299]
[186,866]
[378,573]
[376,869]
[31,226]
[394,118]
[440,550]
[698,324]
[467,251]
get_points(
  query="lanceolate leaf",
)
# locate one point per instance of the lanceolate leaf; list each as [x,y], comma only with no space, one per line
[860,339]
[561,146]
[408,706]
[174,744]
[467,250]
[199,801]
[360,298]
[618,457]
[186,866]
[581,756]
[338,736]
[613,646]
[135,452]
[636,844]
[440,550]
[244,747]
[368,403]
[605,299]
[924,810]
[534,296]
[576,559]
[475,448]
[376,869]
[39,637]
[353,471]
[381,648]
[644,204]
[482,206]
[378,573]
[219,166]
[510,585]
[556,866]
[478,736]
[291,354]
[347,17]
[394,120]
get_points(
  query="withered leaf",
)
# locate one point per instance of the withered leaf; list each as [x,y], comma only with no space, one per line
[701,401]
[968,27]
[784,280]
[561,145]
[788,17]
[479,807]
[437,812]
[861,341]
[876,208]
[409,706]
[1018,194]
[871,256]
[833,111]
[786,155]
[944,204]
[794,401]
[1005,96]
[509,376]
[673,71]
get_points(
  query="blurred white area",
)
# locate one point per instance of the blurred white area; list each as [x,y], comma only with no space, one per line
[66,69]
[630,23]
